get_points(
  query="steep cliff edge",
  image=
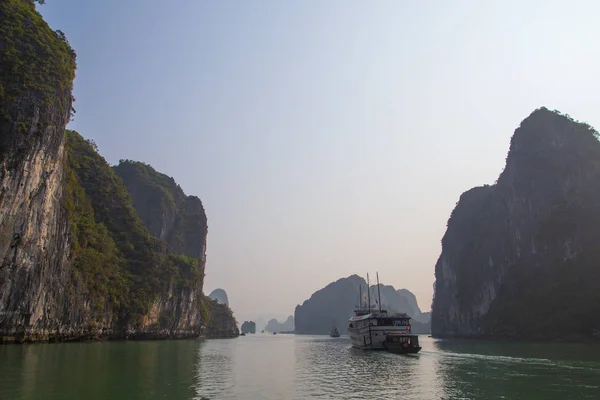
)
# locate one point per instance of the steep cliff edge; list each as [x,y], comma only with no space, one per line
[177,220]
[37,69]
[520,256]
[153,292]
[76,261]
[166,211]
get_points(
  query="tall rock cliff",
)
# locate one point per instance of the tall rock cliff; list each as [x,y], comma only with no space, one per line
[180,222]
[520,258]
[166,211]
[76,261]
[37,68]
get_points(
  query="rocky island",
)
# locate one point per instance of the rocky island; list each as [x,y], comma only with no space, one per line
[519,258]
[248,327]
[336,302]
[286,326]
[87,251]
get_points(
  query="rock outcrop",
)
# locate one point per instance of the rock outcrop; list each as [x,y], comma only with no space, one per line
[336,303]
[221,323]
[411,299]
[522,254]
[76,260]
[180,222]
[275,326]
[37,68]
[165,210]
[248,327]
[220,296]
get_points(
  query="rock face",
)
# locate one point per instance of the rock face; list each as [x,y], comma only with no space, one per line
[76,260]
[411,299]
[336,303]
[249,327]
[221,324]
[275,326]
[180,222]
[165,210]
[35,104]
[519,254]
[220,296]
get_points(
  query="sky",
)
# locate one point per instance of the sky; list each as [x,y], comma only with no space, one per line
[325,138]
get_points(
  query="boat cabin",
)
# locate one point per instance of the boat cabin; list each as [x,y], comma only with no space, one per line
[400,343]
[402,340]
[382,319]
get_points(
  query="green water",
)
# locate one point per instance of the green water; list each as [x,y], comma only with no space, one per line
[297,367]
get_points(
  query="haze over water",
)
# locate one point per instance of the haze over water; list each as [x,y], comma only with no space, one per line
[297,367]
[324,138]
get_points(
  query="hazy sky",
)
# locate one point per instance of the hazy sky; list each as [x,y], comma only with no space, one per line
[325,138]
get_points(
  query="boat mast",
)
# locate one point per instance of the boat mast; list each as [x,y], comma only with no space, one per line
[368,293]
[378,292]
[359,297]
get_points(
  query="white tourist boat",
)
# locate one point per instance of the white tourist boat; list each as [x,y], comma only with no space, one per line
[371,325]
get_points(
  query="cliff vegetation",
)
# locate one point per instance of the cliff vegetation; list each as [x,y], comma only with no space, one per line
[79,260]
[519,258]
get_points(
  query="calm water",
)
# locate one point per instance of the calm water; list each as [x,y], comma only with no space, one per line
[297,367]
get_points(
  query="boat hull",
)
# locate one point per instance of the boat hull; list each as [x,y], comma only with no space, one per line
[402,343]
[372,337]
[403,350]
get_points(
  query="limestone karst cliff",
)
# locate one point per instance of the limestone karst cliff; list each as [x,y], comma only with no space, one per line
[76,261]
[165,210]
[180,222]
[521,255]
[37,67]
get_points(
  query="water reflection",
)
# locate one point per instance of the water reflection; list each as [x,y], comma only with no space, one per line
[297,367]
[495,370]
[113,370]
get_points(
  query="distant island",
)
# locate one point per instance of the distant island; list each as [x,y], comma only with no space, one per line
[248,327]
[220,296]
[520,257]
[275,326]
[88,251]
[336,302]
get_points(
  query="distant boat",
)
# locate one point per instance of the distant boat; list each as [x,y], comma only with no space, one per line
[242,334]
[263,331]
[274,333]
[334,331]
[372,328]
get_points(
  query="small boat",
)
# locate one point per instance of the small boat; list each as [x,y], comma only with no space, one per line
[334,332]
[401,343]
[242,334]
[274,333]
